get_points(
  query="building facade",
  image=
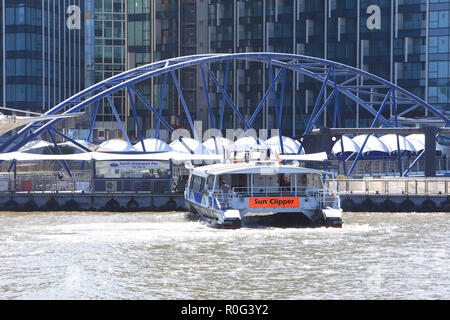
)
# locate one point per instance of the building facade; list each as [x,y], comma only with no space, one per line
[52,49]
[105,30]
[158,30]
[42,52]
[403,41]
[132,33]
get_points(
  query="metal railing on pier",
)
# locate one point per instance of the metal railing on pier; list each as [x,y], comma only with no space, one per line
[395,186]
[80,181]
[389,166]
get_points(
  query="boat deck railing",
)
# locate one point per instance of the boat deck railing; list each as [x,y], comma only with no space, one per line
[276,191]
[324,197]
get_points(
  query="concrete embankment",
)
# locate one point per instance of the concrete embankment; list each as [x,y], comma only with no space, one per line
[395,203]
[394,194]
[27,202]
[91,202]
[390,194]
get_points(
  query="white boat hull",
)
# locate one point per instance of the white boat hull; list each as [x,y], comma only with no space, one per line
[232,218]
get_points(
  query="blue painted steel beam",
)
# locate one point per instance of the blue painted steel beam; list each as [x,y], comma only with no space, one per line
[116,114]
[205,86]
[316,118]
[183,102]
[149,106]
[398,139]
[70,139]
[367,137]
[274,90]
[316,105]
[280,117]
[90,95]
[241,117]
[161,103]
[59,151]
[405,174]
[136,120]
[163,121]
[91,129]
[225,85]
[258,108]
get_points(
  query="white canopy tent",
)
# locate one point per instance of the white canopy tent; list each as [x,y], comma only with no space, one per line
[249,142]
[117,145]
[417,140]
[390,140]
[35,145]
[84,143]
[290,146]
[153,145]
[350,146]
[217,145]
[373,144]
[102,156]
[193,144]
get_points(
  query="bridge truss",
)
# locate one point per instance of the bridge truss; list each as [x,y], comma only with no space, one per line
[380,98]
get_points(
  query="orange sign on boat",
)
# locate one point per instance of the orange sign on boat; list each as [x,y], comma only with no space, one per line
[278,202]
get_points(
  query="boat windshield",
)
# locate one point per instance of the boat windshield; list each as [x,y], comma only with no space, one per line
[295,184]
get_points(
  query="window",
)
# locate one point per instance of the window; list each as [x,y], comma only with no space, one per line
[210,182]
[197,183]
[443,44]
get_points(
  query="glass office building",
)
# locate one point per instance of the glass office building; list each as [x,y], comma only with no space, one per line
[131,33]
[106,56]
[158,30]
[42,52]
[403,41]
[52,49]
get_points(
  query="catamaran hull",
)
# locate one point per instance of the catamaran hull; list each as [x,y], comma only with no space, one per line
[308,218]
[213,217]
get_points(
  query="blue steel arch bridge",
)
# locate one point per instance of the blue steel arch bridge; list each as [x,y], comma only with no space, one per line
[389,105]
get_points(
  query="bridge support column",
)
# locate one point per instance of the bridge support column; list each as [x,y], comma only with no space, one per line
[430,151]
[320,142]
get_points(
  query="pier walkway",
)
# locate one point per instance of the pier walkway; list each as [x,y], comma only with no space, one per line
[47,191]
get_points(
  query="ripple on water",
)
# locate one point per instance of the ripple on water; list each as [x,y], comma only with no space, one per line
[164,256]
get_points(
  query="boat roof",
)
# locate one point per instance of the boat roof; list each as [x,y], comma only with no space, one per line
[252,167]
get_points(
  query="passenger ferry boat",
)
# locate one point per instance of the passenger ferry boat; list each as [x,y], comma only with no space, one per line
[222,194]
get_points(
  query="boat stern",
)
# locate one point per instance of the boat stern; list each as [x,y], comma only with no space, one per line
[230,219]
[332,217]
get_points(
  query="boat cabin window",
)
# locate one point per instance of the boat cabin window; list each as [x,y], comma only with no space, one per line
[310,180]
[227,178]
[302,180]
[197,183]
[239,180]
[210,183]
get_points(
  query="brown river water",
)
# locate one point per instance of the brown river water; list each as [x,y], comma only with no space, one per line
[165,256]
